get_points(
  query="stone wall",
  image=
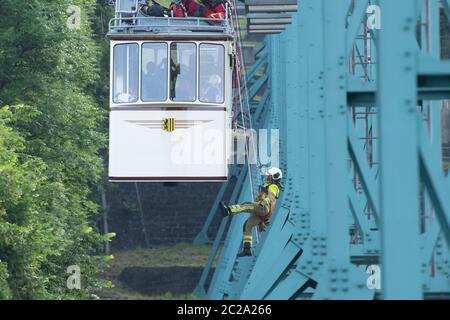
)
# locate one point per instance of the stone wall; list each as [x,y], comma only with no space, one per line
[173,213]
[159,281]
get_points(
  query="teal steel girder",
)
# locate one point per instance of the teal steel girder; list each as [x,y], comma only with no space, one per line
[365,184]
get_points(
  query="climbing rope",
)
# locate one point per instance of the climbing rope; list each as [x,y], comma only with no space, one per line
[241,98]
[243,90]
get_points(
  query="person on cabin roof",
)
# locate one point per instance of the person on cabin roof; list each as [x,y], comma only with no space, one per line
[153,9]
[214,9]
[192,8]
[260,211]
[178,10]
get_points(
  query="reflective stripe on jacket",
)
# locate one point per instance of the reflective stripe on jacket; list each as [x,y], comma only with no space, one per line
[267,198]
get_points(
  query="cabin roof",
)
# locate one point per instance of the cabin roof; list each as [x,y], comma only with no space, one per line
[138,28]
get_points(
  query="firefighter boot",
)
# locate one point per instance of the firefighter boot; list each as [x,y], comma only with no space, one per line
[225,209]
[246,250]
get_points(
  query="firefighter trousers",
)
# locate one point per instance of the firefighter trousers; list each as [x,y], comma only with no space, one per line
[257,216]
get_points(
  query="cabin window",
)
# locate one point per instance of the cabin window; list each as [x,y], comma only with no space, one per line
[126,73]
[212,73]
[183,72]
[154,72]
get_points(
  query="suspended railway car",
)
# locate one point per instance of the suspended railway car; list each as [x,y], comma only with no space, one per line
[170,103]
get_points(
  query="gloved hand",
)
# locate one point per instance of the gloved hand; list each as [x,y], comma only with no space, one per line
[261,209]
[261,227]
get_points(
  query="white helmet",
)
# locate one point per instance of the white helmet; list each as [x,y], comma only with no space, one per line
[275,173]
[215,80]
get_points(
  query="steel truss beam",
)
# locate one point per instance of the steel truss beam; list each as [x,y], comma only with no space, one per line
[359,118]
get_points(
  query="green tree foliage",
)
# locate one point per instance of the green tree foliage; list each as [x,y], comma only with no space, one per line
[52,79]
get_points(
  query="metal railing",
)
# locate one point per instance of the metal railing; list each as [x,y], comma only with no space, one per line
[170,26]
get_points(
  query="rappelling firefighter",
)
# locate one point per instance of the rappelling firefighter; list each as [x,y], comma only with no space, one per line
[260,211]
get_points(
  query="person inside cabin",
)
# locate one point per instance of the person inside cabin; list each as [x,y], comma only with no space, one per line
[211,82]
[155,88]
[213,92]
[186,82]
[184,86]
[177,9]
[175,70]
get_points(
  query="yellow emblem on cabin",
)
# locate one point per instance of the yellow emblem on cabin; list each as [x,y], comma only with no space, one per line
[169,124]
